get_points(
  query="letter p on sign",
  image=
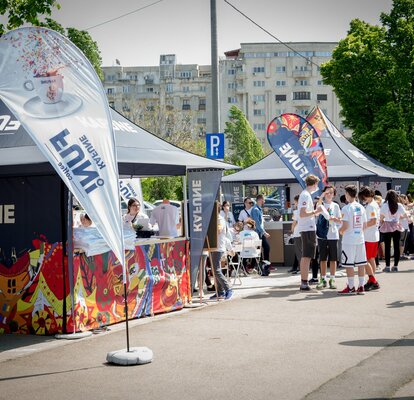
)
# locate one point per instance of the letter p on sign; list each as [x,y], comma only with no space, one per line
[215,145]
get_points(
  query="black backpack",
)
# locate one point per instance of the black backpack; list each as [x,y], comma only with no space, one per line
[322,227]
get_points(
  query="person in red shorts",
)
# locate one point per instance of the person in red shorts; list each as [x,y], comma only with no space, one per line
[371,235]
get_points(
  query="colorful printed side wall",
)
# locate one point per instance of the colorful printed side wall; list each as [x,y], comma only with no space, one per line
[32,290]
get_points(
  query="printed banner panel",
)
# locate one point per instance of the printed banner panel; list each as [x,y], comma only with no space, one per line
[299,146]
[49,85]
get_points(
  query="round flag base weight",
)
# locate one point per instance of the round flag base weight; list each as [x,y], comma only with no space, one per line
[135,356]
[73,336]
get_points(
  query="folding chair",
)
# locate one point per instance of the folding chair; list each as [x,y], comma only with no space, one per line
[251,249]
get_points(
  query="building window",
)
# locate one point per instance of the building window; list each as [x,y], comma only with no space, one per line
[281,68]
[232,85]
[110,90]
[301,95]
[259,127]
[186,88]
[169,88]
[231,72]
[258,112]
[186,105]
[203,88]
[201,121]
[301,83]
[321,83]
[125,89]
[185,74]
[303,112]
[280,97]
[259,97]
[257,70]
[280,83]
[258,83]
[301,68]
[321,97]
[231,100]
[202,104]
[150,90]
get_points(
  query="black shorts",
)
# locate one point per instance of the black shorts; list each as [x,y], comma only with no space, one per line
[328,248]
[308,244]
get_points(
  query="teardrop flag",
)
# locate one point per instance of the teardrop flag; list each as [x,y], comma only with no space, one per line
[298,145]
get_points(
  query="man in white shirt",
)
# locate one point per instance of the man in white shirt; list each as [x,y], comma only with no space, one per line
[307,228]
[371,235]
[167,217]
[353,245]
[247,211]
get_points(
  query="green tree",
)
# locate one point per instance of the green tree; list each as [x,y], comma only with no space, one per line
[372,73]
[244,147]
[37,12]
[19,12]
[165,187]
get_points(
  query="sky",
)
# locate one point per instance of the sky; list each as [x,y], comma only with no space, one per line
[182,27]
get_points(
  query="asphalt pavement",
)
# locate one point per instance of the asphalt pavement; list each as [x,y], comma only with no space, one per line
[270,341]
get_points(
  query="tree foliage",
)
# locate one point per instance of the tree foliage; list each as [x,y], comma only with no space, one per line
[372,73]
[20,12]
[244,147]
[37,13]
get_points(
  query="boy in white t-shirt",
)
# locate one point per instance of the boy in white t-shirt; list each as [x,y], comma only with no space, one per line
[307,228]
[353,244]
[371,235]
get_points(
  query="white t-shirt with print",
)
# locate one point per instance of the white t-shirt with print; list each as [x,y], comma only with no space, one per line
[333,211]
[305,201]
[354,214]
[371,233]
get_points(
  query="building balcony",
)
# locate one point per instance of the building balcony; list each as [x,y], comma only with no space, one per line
[186,107]
[302,74]
[201,107]
[302,103]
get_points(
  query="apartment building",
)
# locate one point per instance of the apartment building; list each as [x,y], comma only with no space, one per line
[268,79]
[169,86]
[263,79]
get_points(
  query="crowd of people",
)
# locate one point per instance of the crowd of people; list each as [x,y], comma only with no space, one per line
[324,234]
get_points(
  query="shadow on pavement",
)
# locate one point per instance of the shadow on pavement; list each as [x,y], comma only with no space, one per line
[284,291]
[10,342]
[11,378]
[318,295]
[400,303]
[387,398]
[380,343]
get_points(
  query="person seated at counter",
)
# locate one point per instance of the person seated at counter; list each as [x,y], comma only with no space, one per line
[235,231]
[135,216]
[167,217]
[85,221]
[249,230]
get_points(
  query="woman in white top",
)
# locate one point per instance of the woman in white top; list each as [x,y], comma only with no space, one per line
[391,214]
[227,214]
[134,215]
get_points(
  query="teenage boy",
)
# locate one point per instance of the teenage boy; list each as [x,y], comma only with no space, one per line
[307,228]
[353,244]
[371,235]
[328,236]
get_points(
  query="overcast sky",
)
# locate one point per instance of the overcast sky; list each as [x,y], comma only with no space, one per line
[182,27]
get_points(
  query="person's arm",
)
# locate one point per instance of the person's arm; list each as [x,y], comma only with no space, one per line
[343,228]
[294,223]
[255,215]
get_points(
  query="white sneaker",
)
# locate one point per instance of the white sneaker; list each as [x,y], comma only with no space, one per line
[265,262]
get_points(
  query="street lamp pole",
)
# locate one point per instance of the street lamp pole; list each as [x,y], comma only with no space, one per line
[215,111]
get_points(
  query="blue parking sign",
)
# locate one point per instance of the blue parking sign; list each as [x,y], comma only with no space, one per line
[215,145]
